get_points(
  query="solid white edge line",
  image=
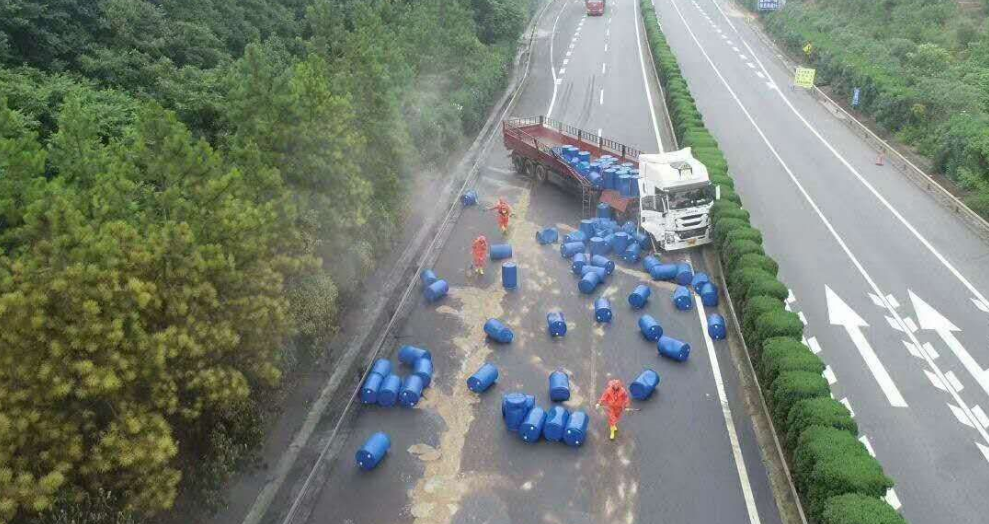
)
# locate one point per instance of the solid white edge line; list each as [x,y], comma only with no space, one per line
[736,448]
[824,219]
[602,97]
[552,68]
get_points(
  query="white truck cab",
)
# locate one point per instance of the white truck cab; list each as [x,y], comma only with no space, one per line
[675,199]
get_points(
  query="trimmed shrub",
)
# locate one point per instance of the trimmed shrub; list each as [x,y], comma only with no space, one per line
[748,233]
[733,250]
[777,324]
[792,387]
[728,193]
[723,227]
[721,180]
[761,261]
[743,278]
[725,209]
[780,355]
[809,412]
[754,308]
[853,508]
[770,288]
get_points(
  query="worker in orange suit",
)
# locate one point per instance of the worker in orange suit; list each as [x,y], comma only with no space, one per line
[504,212]
[615,399]
[480,251]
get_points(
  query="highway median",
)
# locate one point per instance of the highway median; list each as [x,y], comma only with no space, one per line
[837,479]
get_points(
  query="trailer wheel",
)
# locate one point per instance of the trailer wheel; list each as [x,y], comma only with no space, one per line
[518,163]
[528,167]
[540,174]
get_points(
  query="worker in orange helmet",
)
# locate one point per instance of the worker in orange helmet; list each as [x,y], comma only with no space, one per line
[504,212]
[615,399]
[480,251]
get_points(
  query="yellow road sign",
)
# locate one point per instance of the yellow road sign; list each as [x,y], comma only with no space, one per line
[804,77]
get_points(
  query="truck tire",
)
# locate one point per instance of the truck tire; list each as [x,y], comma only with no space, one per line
[518,163]
[529,167]
[540,174]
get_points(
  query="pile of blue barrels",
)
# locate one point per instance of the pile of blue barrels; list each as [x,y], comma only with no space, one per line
[604,172]
[533,423]
[385,388]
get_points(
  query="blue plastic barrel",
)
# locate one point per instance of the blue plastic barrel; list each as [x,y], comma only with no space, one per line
[556,324]
[624,185]
[483,378]
[570,249]
[589,282]
[411,391]
[509,275]
[602,272]
[642,387]
[576,430]
[587,227]
[595,179]
[373,450]
[584,168]
[547,236]
[602,310]
[408,355]
[598,247]
[716,326]
[630,227]
[628,165]
[423,369]
[619,242]
[498,331]
[514,408]
[639,296]
[576,236]
[556,423]
[699,280]
[436,290]
[610,240]
[584,156]
[532,425]
[641,239]
[382,367]
[388,392]
[650,262]
[578,262]
[663,272]
[683,299]
[609,178]
[469,198]
[602,261]
[603,210]
[633,184]
[500,251]
[369,391]
[684,274]
[650,328]
[709,295]
[673,349]
[632,252]
[428,277]
[559,386]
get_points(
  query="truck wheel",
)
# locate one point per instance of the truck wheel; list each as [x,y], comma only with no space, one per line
[529,167]
[540,174]
[518,163]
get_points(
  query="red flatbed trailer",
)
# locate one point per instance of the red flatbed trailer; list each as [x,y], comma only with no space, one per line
[533,142]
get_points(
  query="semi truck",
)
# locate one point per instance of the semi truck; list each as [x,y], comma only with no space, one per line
[668,195]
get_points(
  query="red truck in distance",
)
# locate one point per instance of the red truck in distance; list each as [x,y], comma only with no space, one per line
[594,7]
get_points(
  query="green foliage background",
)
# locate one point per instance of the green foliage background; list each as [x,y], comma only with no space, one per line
[187,188]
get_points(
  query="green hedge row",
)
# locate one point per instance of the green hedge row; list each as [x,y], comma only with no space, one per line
[836,477]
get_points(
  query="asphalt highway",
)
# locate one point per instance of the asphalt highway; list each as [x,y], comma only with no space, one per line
[890,283]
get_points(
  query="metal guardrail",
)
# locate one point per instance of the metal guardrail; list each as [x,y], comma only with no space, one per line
[627,152]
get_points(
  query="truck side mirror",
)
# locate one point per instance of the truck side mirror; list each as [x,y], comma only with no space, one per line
[717,192]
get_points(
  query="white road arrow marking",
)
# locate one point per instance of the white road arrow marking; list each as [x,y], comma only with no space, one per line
[935,380]
[930,319]
[913,349]
[840,314]
[876,300]
[961,415]
[981,305]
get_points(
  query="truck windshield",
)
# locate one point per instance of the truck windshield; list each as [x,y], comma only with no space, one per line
[691,197]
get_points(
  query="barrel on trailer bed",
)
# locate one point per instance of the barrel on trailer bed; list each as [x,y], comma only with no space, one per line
[541,149]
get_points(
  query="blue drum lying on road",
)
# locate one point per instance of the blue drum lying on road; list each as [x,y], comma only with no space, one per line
[556,324]
[559,386]
[663,272]
[576,236]
[602,272]
[509,275]
[373,450]
[498,331]
[589,282]
[382,366]
[428,277]
[632,252]
[650,262]
[514,408]
[576,431]
[716,326]
[569,249]
[483,378]
[699,280]
[388,392]
[408,355]
[423,368]
[684,274]
[501,251]
[469,198]
[602,261]
[556,423]
[709,295]
[369,391]
[411,391]
[532,426]
[547,236]
[650,328]
[673,349]
[642,387]
[639,296]
[641,238]
[683,299]
[602,310]
[577,262]
[436,290]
